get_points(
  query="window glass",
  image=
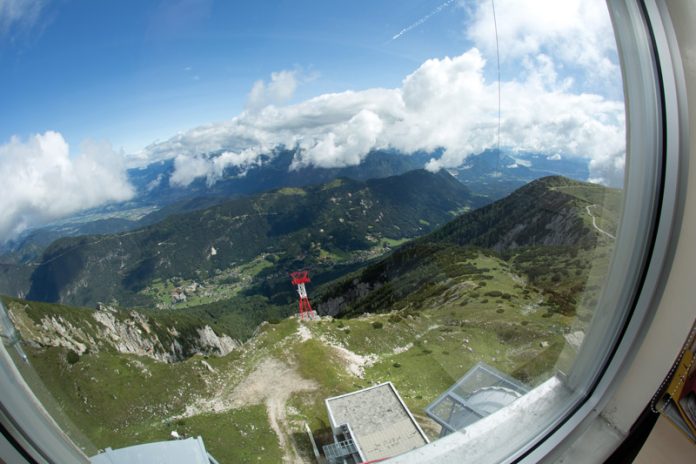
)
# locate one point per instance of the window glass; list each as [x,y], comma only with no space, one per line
[298,229]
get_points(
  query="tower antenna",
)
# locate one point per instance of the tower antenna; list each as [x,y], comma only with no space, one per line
[300,278]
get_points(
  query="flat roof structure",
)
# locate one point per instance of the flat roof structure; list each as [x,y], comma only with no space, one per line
[480,392]
[188,451]
[377,420]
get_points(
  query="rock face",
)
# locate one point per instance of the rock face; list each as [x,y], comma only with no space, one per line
[134,336]
[220,345]
[128,332]
[57,332]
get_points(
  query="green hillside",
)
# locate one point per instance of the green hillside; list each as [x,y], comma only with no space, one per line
[544,212]
[512,284]
[120,399]
[540,232]
[343,220]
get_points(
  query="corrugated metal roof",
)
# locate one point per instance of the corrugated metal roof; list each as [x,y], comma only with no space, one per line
[381,424]
[188,451]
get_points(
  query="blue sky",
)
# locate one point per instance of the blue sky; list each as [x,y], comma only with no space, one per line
[91,88]
[134,71]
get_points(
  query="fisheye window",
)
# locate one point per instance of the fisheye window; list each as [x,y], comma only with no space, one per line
[300,232]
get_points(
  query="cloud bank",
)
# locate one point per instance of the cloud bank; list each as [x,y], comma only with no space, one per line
[563,54]
[279,90]
[446,104]
[576,34]
[43,182]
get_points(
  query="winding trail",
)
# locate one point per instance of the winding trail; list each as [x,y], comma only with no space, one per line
[594,222]
[272,383]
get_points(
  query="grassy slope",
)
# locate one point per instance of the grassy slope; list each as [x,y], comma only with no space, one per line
[120,400]
[321,222]
[507,310]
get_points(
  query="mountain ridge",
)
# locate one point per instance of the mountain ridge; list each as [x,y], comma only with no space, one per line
[293,224]
[535,229]
[419,316]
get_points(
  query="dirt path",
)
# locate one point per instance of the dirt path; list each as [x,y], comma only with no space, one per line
[594,222]
[272,383]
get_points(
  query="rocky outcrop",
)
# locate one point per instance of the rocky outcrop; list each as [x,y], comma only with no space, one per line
[128,332]
[215,344]
[133,335]
[57,332]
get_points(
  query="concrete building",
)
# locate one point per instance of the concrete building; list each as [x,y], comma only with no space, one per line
[371,424]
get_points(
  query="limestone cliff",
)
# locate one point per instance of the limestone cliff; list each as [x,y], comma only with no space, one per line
[107,328]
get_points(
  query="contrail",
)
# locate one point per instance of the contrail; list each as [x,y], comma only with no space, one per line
[423,19]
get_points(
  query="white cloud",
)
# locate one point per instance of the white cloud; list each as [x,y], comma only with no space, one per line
[346,144]
[607,169]
[43,182]
[447,103]
[19,15]
[306,125]
[154,183]
[576,34]
[189,168]
[280,89]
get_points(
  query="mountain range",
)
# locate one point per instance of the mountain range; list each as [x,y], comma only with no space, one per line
[541,231]
[156,197]
[292,227]
[492,174]
[497,173]
[345,232]
[511,284]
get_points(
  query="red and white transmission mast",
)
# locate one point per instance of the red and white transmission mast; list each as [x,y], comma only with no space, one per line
[300,278]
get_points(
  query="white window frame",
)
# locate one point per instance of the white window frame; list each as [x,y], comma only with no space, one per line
[655,191]
[556,417]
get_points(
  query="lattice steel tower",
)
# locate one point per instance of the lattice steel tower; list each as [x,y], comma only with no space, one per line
[300,278]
